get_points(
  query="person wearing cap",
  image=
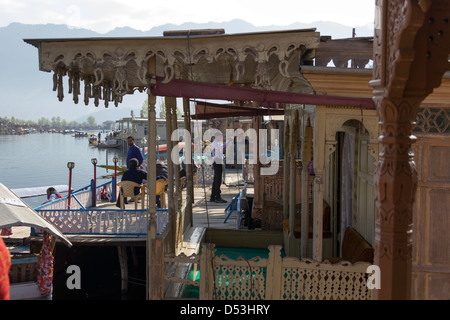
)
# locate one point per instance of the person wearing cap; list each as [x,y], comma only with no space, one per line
[134,152]
[133,173]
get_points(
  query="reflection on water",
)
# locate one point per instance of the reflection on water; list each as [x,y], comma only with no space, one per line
[40,159]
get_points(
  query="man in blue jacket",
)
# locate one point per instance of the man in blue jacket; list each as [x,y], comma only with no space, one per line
[133,173]
[134,152]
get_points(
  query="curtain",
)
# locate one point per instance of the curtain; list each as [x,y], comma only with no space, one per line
[45,278]
[5,264]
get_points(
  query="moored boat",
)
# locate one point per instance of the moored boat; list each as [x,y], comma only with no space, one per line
[93,139]
[80,134]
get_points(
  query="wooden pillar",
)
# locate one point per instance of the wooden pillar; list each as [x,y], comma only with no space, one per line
[292,191]
[306,158]
[258,201]
[169,102]
[188,162]
[408,65]
[206,266]
[395,186]
[123,262]
[151,179]
[157,269]
[177,197]
[286,161]
[274,273]
[320,156]
[324,145]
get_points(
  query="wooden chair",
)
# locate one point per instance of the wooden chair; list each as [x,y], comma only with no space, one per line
[196,178]
[181,183]
[127,190]
[161,191]
[354,248]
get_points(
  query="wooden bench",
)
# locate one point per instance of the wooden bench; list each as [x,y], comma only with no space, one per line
[354,248]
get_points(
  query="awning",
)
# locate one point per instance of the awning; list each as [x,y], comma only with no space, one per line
[15,212]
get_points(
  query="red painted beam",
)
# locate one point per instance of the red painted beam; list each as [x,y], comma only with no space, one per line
[201,90]
[207,110]
[204,116]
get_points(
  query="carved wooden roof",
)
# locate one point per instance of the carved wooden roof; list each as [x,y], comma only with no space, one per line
[109,68]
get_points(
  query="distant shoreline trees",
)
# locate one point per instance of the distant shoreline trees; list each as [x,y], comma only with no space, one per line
[53,123]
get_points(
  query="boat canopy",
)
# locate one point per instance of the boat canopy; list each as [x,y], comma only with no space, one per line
[15,212]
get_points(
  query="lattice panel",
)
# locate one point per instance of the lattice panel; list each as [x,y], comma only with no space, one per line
[118,221]
[67,221]
[104,221]
[433,120]
[323,284]
[245,281]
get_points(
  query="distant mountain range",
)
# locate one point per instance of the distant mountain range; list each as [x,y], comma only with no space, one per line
[26,92]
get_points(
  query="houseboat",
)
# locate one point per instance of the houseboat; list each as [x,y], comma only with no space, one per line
[265,73]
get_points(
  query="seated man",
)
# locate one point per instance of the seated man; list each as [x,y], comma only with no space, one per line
[133,174]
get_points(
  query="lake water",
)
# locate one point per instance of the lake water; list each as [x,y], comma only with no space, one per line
[40,159]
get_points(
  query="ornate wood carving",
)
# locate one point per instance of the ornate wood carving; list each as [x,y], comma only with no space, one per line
[112,68]
[410,56]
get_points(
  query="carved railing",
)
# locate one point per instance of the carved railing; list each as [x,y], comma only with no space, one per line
[240,279]
[344,53]
[182,259]
[311,280]
[275,277]
[104,221]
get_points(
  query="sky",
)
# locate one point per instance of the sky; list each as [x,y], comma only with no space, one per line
[105,15]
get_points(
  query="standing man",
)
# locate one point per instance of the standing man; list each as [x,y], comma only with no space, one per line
[134,152]
[217,155]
